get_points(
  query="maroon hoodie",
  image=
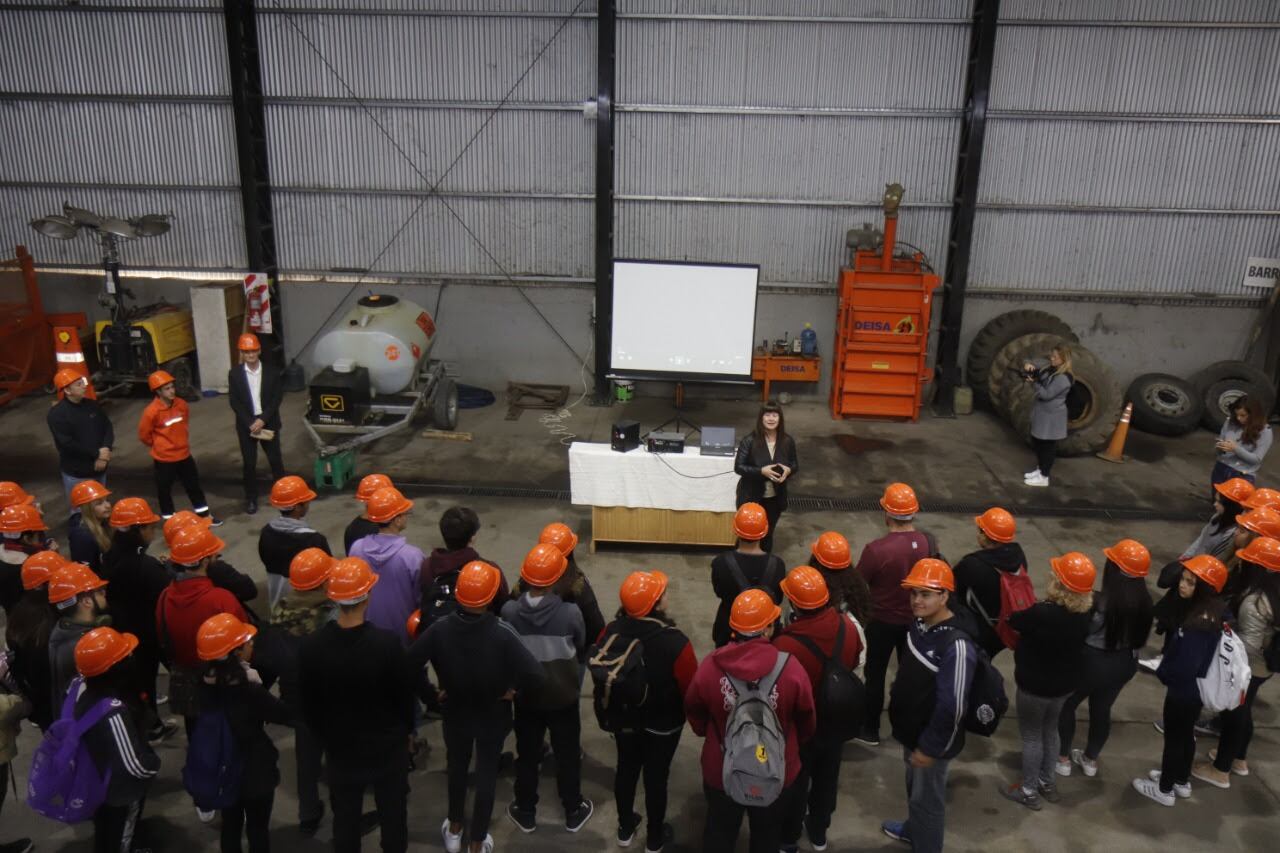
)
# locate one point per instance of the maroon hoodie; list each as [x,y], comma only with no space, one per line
[821,629]
[711,697]
[182,609]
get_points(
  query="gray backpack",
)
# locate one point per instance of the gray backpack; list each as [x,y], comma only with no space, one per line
[755,747]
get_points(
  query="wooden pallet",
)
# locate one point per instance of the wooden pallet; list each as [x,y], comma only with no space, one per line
[528,395]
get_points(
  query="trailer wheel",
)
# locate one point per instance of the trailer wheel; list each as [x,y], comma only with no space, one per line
[444,405]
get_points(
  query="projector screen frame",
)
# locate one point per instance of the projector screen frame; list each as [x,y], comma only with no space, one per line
[678,375]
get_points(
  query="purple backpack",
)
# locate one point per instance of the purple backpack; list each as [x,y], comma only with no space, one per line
[65,784]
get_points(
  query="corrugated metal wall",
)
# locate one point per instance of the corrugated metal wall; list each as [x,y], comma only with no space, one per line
[124,111]
[1132,147]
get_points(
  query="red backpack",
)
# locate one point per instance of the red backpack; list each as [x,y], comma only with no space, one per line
[1016,593]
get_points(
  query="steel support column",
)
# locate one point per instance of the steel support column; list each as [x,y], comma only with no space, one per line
[606,70]
[973,130]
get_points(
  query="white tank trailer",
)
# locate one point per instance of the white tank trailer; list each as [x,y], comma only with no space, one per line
[388,336]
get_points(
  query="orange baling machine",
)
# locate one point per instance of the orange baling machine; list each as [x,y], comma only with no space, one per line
[882,325]
[27,358]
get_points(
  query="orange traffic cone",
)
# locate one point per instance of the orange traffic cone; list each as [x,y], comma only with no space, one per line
[1115,450]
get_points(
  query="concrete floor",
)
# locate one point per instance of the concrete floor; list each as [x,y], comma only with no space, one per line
[954,464]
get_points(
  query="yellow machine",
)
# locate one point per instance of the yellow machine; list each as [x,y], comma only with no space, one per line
[156,337]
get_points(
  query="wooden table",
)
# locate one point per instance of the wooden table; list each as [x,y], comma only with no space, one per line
[784,368]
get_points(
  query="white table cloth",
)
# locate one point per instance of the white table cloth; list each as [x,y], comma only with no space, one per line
[600,476]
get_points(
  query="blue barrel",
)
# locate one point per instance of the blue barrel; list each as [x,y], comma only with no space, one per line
[808,341]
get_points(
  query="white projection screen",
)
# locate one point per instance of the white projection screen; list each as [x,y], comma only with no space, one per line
[683,321]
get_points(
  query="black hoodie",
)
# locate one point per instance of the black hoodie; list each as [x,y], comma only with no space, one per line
[978,587]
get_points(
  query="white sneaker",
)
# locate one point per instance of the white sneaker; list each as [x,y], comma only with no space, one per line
[1090,768]
[1183,791]
[1151,664]
[205,816]
[487,846]
[1062,768]
[1038,480]
[452,843]
[1151,790]
[1035,472]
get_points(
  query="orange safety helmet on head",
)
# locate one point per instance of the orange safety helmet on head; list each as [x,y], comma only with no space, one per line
[1131,556]
[997,525]
[350,581]
[1264,522]
[930,573]
[159,379]
[129,512]
[752,612]
[751,522]
[86,492]
[1263,497]
[101,649]
[559,535]
[478,583]
[899,501]
[1075,571]
[21,518]
[310,568]
[385,504]
[543,565]
[412,624]
[288,492]
[640,592]
[192,544]
[39,567]
[370,484]
[221,635]
[248,342]
[12,494]
[70,580]
[182,519]
[1264,551]
[1209,569]
[806,588]
[1236,489]
[832,551]
[65,377]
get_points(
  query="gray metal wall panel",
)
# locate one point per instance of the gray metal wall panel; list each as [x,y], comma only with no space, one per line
[1142,10]
[1184,71]
[333,146]
[111,143]
[207,232]
[811,8]
[472,6]
[1131,164]
[528,237]
[138,4]
[1118,252]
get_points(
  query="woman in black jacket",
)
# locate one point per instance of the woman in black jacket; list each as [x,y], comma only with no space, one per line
[766,460]
[232,687]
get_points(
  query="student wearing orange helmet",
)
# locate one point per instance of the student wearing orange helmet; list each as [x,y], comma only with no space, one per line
[747,566]
[27,629]
[81,431]
[360,526]
[255,392]
[91,538]
[164,427]
[80,598]
[832,556]
[288,534]
[574,587]
[397,563]
[979,574]
[459,526]
[23,532]
[765,462]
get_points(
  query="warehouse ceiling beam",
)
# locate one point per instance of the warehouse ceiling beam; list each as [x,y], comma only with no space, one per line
[606,76]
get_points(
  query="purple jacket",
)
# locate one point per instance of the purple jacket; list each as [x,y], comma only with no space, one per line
[398,566]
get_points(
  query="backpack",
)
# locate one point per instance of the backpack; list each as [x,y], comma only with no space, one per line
[621,684]
[768,581]
[1224,683]
[988,703]
[754,746]
[214,764]
[65,784]
[840,695]
[1016,593]
[439,601]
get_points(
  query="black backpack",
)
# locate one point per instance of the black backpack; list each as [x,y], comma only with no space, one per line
[988,703]
[768,581]
[839,696]
[620,682]
[438,601]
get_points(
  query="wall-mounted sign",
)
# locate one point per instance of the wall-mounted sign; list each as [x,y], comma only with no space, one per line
[1262,272]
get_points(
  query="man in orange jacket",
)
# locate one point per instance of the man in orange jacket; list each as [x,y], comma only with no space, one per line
[163,428]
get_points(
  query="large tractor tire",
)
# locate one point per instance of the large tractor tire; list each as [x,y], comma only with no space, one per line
[1005,373]
[1218,398]
[999,332]
[1093,406]
[1164,404]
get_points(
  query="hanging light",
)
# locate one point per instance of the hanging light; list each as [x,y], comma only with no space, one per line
[151,225]
[57,227]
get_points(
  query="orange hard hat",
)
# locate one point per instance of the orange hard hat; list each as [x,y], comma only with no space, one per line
[1131,556]
[11,494]
[21,518]
[1209,569]
[86,492]
[1264,551]
[640,591]
[37,568]
[101,649]
[1236,489]
[159,379]
[70,580]
[385,504]
[370,484]
[221,635]
[561,536]
[350,581]
[1264,522]
[930,573]
[288,492]
[899,501]
[248,342]
[543,565]
[806,588]
[832,550]
[65,377]
[182,519]
[751,522]
[997,525]
[1263,497]
[192,544]
[310,568]
[129,512]
[478,583]
[1075,570]
[412,623]
[753,611]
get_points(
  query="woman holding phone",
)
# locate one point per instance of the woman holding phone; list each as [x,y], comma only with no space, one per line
[766,460]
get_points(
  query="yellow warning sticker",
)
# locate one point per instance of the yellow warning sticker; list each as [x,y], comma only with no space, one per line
[332,403]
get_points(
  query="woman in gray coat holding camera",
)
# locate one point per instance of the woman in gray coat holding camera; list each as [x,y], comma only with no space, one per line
[1049,412]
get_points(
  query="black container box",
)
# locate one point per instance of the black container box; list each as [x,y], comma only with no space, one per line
[339,398]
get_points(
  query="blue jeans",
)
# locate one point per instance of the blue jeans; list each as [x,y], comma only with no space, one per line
[1222,473]
[926,804]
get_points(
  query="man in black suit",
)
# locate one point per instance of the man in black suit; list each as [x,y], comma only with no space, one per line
[255,398]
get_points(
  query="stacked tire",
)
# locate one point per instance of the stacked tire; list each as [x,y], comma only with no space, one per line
[1168,405]
[994,372]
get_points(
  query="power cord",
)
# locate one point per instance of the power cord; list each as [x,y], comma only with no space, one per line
[555,421]
[673,470]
